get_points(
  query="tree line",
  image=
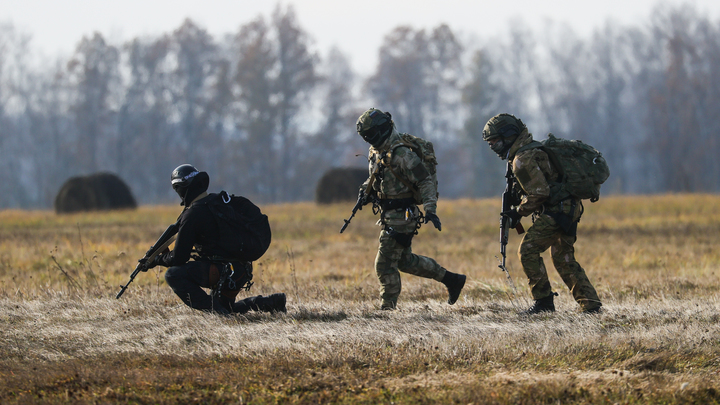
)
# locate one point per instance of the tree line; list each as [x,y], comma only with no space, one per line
[266,114]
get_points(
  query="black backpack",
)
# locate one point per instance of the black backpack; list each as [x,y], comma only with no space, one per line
[244,231]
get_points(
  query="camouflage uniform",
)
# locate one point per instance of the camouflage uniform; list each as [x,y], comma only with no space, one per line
[553,226]
[400,224]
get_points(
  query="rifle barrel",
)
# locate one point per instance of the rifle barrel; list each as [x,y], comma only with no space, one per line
[132,277]
[344,227]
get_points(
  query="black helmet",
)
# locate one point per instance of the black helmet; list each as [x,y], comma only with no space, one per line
[183,182]
[374,126]
[505,128]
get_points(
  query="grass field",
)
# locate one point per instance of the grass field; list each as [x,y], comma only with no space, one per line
[655,262]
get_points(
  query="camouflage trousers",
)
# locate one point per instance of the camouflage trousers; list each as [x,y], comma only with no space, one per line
[393,258]
[543,234]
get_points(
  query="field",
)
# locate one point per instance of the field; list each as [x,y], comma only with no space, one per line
[655,262]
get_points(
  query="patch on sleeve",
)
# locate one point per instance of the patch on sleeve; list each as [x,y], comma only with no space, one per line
[522,175]
[420,172]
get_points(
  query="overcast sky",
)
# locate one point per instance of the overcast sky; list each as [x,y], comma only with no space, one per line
[356,27]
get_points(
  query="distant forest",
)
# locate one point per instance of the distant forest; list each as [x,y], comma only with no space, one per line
[265,114]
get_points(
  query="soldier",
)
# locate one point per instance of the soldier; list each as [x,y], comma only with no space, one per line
[199,230]
[554,226]
[400,181]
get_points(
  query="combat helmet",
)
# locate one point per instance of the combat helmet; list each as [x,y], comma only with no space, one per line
[505,128]
[188,182]
[375,126]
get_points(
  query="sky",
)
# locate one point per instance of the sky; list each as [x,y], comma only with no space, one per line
[356,27]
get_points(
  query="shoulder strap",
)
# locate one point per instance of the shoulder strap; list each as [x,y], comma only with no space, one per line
[555,162]
[551,156]
[531,145]
[375,174]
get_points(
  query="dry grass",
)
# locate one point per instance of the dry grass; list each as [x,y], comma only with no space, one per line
[654,261]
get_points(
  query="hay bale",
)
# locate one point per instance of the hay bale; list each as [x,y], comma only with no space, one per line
[340,184]
[96,192]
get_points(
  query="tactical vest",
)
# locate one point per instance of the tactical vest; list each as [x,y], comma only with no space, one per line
[425,151]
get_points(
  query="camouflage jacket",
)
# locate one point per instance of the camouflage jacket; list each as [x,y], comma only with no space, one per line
[403,162]
[532,169]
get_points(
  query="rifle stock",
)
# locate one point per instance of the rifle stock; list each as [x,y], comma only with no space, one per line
[163,242]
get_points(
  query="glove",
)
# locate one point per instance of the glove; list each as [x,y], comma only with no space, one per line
[149,264]
[513,216]
[362,199]
[432,217]
[156,261]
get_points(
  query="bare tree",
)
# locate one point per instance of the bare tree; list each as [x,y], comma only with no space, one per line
[482,98]
[335,143]
[143,122]
[414,76]
[680,99]
[255,111]
[93,72]
[16,146]
[417,81]
[196,65]
[296,78]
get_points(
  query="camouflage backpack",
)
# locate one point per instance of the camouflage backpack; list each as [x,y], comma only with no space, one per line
[426,152]
[582,168]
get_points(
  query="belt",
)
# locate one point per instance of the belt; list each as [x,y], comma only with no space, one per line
[392,204]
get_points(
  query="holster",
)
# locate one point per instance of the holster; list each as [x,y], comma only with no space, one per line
[403,239]
[228,278]
[565,221]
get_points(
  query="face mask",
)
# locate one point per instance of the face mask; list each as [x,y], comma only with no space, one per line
[498,146]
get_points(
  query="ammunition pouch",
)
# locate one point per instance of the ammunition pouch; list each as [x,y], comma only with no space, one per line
[564,221]
[228,278]
[403,239]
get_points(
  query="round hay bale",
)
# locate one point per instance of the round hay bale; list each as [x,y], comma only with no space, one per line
[96,192]
[340,184]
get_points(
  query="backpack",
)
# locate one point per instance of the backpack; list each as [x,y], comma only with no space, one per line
[244,231]
[581,167]
[426,152]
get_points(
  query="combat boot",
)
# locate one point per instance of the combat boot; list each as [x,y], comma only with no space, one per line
[454,283]
[388,305]
[225,303]
[592,311]
[273,303]
[542,305]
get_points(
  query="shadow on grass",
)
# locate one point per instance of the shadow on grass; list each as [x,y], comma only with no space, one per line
[305,314]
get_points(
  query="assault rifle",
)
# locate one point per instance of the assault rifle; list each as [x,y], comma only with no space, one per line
[161,244]
[361,201]
[358,206]
[366,196]
[509,199]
